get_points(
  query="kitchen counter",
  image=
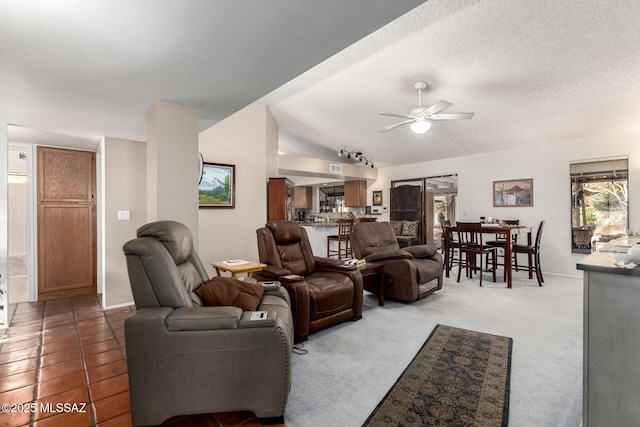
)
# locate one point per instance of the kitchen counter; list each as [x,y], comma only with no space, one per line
[318,232]
[604,262]
[318,223]
[611,342]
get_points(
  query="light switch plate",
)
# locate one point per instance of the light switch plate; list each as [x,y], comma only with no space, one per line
[123,215]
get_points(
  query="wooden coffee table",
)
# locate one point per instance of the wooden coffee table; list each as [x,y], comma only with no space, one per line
[374,272]
[236,267]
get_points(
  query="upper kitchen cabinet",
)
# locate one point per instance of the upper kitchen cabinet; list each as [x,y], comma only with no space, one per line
[302,197]
[355,193]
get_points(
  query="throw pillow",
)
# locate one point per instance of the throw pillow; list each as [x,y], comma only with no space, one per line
[410,228]
[397,227]
[229,291]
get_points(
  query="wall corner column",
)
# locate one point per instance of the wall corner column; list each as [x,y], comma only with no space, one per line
[172,168]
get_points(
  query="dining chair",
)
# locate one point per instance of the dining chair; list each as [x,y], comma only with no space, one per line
[500,239]
[471,247]
[533,256]
[342,239]
[450,239]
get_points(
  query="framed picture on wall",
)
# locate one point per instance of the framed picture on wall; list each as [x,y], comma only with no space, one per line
[513,193]
[377,198]
[217,188]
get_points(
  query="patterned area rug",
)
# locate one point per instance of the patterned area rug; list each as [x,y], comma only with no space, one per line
[458,378]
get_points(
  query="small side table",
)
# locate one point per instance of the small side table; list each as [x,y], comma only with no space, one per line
[372,272]
[236,268]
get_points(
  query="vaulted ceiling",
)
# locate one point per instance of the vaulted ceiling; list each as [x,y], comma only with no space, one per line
[533,73]
[77,70]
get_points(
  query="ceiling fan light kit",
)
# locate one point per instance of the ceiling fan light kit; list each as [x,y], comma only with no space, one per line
[420,127]
[419,118]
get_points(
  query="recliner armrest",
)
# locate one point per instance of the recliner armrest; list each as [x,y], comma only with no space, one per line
[272,272]
[248,322]
[270,286]
[421,251]
[388,255]
[203,318]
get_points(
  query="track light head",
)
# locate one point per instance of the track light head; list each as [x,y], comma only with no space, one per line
[357,155]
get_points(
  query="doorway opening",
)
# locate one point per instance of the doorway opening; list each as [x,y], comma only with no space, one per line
[439,201]
[20,224]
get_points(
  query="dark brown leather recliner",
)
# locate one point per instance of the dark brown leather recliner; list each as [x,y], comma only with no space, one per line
[323,292]
[410,273]
[187,358]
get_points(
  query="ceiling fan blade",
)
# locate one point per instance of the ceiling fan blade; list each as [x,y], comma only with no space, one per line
[386,113]
[438,106]
[451,116]
[395,125]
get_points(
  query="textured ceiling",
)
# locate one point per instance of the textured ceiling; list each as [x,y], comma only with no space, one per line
[93,68]
[533,73]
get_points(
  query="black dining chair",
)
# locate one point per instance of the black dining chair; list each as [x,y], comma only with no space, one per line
[500,240]
[471,247]
[450,241]
[533,256]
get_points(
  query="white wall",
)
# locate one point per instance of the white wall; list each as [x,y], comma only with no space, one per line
[548,165]
[125,189]
[4,241]
[248,140]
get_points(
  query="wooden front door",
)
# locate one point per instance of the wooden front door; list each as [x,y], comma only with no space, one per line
[66,223]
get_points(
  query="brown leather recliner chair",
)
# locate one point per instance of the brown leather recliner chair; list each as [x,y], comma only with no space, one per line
[187,358]
[410,273]
[323,292]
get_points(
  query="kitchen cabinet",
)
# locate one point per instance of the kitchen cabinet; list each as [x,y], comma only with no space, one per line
[302,197]
[280,199]
[355,193]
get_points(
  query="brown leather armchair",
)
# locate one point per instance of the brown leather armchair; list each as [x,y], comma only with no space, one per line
[323,292]
[410,273]
[187,358]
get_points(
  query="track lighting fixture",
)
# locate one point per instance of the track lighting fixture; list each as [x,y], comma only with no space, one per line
[356,155]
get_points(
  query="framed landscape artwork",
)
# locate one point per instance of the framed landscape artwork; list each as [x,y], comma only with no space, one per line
[513,193]
[217,188]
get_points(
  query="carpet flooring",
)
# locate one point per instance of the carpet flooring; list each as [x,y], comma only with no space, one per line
[350,367]
[458,378]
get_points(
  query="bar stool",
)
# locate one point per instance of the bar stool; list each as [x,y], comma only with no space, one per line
[533,256]
[500,241]
[345,226]
[451,246]
[470,238]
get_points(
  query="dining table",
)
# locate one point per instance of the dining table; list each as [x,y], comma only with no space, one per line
[505,231]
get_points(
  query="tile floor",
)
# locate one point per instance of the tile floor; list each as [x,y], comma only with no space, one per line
[71,351]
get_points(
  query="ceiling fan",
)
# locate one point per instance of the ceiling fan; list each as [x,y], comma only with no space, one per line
[420,117]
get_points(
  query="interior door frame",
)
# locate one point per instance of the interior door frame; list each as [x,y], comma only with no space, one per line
[32,249]
[32,242]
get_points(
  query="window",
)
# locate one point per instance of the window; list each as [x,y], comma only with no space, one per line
[599,202]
